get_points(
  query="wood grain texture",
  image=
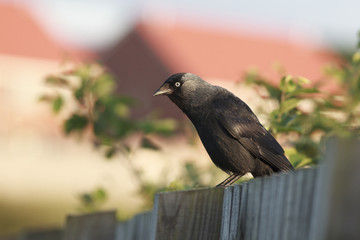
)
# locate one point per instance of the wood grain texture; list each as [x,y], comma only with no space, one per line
[194,214]
[343,191]
[270,207]
[138,228]
[227,210]
[92,226]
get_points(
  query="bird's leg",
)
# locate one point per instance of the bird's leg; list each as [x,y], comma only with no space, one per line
[230,180]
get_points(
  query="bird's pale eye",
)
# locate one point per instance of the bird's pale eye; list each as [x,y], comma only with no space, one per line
[177,84]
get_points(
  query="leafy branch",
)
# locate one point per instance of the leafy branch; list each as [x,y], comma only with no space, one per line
[94,109]
[305,126]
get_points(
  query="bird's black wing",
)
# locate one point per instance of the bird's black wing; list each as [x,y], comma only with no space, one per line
[236,118]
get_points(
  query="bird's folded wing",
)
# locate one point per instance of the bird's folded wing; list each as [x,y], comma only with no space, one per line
[253,136]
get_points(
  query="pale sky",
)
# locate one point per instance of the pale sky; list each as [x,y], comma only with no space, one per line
[96,23]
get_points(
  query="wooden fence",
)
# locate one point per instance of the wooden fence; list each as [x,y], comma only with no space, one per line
[316,203]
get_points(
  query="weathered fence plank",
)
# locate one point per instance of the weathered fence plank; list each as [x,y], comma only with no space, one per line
[238,210]
[138,228]
[253,209]
[280,188]
[265,209]
[194,214]
[269,208]
[320,203]
[226,213]
[47,234]
[341,191]
[306,203]
[92,226]
[236,228]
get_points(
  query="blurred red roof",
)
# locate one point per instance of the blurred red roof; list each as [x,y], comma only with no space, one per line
[21,35]
[152,52]
[226,56]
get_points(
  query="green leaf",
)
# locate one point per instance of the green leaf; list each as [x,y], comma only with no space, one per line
[80,93]
[110,152]
[147,143]
[76,123]
[163,126]
[122,110]
[356,56]
[56,81]
[86,198]
[274,92]
[57,104]
[307,147]
[84,71]
[92,201]
[282,83]
[305,90]
[46,98]
[289,105]
[104,85]
[303,80]
[284,129]
[297,159]
[99,195]
[286,83]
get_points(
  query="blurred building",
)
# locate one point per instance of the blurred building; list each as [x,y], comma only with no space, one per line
[151,52]
[27,55]
[36,174]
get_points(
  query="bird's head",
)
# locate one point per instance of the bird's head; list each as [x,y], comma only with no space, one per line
[172,85]
[185,89]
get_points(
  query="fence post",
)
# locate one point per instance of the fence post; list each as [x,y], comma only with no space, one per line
[194,214]
[226,213]
[44,234]
[338,214]
[94,226]
[137,228]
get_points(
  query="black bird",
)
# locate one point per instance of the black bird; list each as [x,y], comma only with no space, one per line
[231,133]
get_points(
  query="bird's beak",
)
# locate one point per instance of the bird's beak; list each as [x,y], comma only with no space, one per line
[163,90]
